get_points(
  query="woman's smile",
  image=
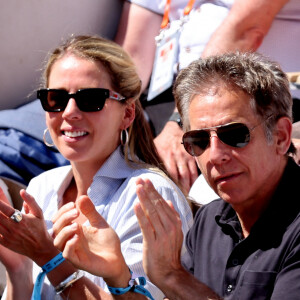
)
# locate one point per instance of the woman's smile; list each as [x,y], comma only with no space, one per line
[74,134]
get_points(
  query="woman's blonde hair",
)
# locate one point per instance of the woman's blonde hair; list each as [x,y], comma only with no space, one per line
[124,80]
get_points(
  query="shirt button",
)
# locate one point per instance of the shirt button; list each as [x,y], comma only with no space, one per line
[229,288]
[235,262]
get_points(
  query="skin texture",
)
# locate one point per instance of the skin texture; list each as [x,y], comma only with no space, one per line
[242,178]
[239,31]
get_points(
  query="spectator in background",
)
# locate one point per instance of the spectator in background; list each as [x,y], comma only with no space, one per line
[90,94]
[211,27]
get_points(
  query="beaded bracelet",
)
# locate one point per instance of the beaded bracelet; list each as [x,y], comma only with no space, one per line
[135,285]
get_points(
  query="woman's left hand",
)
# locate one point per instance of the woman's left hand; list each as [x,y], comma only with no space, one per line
[95,248]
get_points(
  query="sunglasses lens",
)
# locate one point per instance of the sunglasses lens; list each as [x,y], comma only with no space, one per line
[89,100]
[195,142]
[235,135]
[53,100]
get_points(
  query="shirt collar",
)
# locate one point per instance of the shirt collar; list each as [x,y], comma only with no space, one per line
[116,166]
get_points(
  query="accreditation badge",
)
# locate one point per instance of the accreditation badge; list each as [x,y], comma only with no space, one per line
[165,63]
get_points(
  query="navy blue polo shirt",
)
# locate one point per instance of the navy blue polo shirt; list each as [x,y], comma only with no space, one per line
[266,264]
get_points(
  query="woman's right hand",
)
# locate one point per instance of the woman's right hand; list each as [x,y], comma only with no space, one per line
[12,261]
[28,237]
[18,269]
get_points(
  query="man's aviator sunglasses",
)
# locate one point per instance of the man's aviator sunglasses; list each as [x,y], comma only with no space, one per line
[234,134]
[87,100]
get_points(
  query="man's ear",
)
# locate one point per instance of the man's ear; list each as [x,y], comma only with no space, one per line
[283,135]
[129,114]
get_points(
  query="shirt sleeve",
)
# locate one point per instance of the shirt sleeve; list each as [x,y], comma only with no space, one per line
[157,6]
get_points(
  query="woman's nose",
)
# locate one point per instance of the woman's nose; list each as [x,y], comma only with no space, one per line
[72,110]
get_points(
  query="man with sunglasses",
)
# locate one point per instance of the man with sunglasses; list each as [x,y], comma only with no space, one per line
[237,117]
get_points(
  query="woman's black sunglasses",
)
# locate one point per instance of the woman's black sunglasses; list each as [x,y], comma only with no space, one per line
[233,134]
[87,100]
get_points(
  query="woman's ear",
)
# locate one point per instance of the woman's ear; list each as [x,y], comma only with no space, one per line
[129,114]
[283,135]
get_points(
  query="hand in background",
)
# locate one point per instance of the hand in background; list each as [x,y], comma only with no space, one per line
[296,157]
[181,166]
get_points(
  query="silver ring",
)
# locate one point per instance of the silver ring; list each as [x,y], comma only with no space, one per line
[16,216]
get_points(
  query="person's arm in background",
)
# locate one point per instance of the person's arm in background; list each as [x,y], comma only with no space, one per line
[136,33]
[245,27]
[137,30]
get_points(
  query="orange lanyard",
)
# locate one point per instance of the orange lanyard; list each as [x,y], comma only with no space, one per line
[186,11]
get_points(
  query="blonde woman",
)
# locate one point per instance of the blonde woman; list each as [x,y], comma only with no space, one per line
[94,118]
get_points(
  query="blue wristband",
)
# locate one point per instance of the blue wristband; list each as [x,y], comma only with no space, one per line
[46,268]
[132,286]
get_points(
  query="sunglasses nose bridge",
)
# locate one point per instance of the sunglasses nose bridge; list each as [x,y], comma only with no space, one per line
[71,105]
[218,151]
[72,96]
[213,133]
[215,140]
